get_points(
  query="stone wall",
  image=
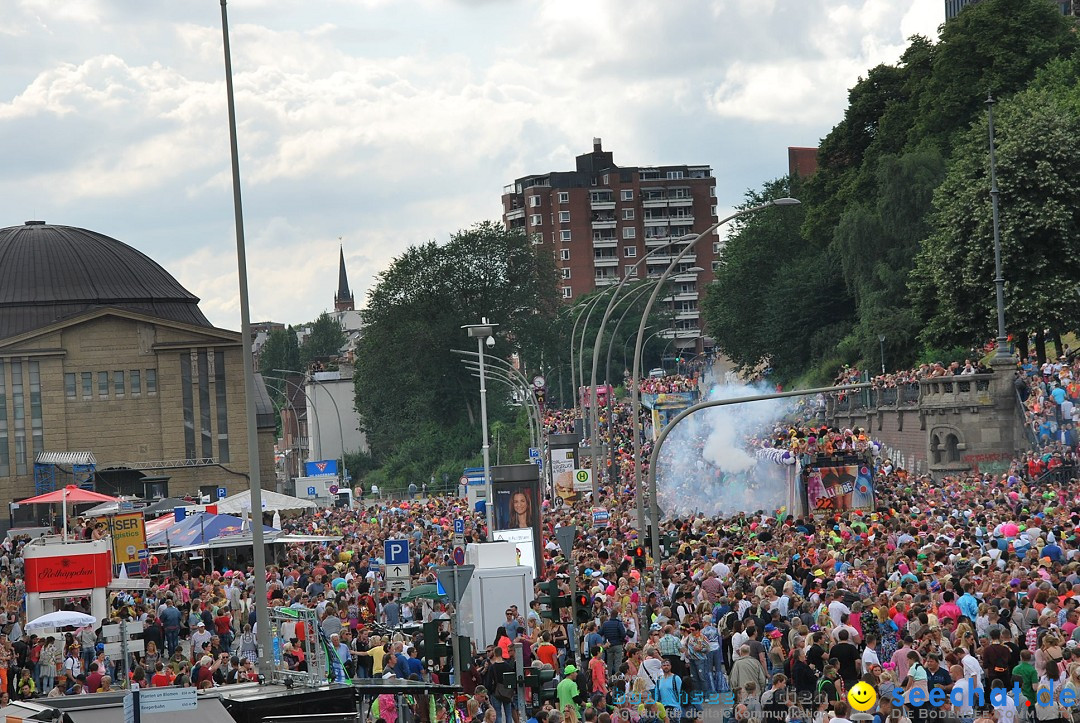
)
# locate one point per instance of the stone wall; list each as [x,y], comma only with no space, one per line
[943,425]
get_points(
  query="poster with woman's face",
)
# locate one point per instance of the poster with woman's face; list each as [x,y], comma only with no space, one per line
[515,506]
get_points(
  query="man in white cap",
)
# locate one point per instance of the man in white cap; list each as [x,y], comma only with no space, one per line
[200,636]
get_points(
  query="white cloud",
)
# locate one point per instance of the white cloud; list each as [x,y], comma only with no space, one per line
[390,123]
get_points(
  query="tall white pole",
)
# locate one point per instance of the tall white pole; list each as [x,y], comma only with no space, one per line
[489,500]
[262,611]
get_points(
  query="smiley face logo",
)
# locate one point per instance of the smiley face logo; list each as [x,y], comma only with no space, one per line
[862,696]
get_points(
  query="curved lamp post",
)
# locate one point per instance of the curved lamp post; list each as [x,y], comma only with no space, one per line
[654,508]
[655,456]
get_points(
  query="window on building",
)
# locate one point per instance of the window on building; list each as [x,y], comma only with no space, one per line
[188,402]
[564,217]
[87,385]
[712,211]
[567,292]
[135,380]
[631,270]
[534,201]
[5,460]
[151,381]
[674,175]
[536,220]
[37,430]
[629,251]
[606,177]
[564,254]
[222,407]
[716,247]
[682,193]
[712,191]
[629,232]
[628,214]
[18,412]
[715,266]
[118,383]
[564,197]
[103,385]
[69,385]
[566,273]
[627,194]
[565,236]
[205,433]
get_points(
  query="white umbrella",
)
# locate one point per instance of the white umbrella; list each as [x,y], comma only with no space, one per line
[61,619]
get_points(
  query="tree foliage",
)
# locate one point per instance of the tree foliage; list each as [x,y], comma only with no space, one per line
[417,402]
[325,339]
[847,276]
[1038,169]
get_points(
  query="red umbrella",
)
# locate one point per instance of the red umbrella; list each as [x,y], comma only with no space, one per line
[71,493]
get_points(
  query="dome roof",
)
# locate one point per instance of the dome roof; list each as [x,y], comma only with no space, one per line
[49,273]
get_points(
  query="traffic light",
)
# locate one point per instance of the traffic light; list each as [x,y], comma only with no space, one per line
[554,601]
[582,608]
[438,654]
[536,679]
[640,560]
[670,543]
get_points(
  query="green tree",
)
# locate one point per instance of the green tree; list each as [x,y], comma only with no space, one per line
[325,339]
[280,351]
[1038,165]
[776,300]
[418,404]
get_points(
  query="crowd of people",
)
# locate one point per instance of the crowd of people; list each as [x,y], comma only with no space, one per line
[965,582]
[670,383]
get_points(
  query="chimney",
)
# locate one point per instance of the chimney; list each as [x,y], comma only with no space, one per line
[596,145]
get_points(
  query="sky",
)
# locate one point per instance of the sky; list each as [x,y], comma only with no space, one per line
[379,124]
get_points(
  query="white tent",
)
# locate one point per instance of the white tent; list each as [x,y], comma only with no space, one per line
[271,502]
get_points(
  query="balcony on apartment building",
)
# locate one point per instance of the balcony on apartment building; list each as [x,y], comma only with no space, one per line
[603,219]
[605,259]
[602,201]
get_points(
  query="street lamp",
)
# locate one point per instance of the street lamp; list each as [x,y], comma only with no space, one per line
[881,340]
[318,426]
[258,556]
[1002,357]
[636,376]
[484,335]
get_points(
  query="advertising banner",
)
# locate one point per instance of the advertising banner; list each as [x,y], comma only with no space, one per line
[322,468]
[839,488]
[68,572]
[128,532]
[562,472]
[517,512]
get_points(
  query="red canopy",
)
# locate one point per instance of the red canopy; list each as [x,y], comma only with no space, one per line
[71,493]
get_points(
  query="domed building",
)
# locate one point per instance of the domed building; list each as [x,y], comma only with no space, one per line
[111,376]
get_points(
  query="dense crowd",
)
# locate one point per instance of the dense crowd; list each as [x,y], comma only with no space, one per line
[969,582]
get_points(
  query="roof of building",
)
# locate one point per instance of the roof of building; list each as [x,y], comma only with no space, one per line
[49,273]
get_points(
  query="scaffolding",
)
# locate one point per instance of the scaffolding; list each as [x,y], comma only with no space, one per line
[82,466]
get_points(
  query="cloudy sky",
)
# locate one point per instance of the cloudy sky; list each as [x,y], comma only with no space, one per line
[391,122]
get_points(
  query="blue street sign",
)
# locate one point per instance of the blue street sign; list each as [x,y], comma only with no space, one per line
[459,526]
[396,552]
[311,491]
[439,589]
[534,453]
[374,563]
[222,493]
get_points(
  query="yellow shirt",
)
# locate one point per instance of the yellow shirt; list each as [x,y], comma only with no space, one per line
[377,654]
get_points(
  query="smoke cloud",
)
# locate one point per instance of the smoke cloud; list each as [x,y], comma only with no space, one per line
[709,465]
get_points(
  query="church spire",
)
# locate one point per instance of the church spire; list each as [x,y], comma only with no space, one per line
[343,299]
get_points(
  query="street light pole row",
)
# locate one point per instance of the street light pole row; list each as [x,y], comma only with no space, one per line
[654,508]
